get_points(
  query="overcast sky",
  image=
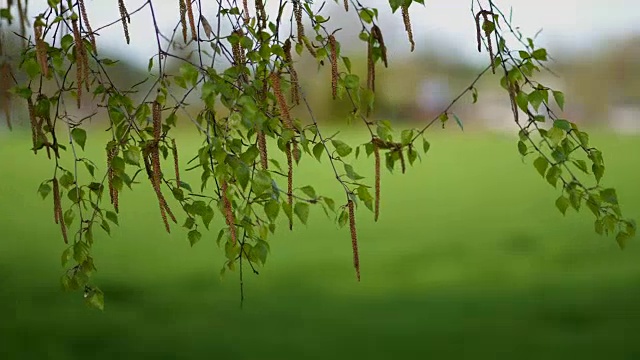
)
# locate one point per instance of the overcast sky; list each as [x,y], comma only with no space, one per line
[569,25]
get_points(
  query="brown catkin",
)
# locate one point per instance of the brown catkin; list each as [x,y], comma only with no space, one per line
[5,95]
[376,153]
[112,151]
[289,181]
[354,238]
[293,75]
[262,146]
[35,129]
[371,68]
[79,59]
[56,200]
[183,19]
[346,5]
[282,103]
[228,212]
[192,23]
[334,66]
[41,49]
[377,35]
[261,13]
[236,49]
[85,19]
[156,171]
[176,166]
[297,12]
[245,9]
[403,165]
[23,19]
[57,210]
[124,16]
[407,25]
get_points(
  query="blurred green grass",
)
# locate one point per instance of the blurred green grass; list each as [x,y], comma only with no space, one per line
[469,259]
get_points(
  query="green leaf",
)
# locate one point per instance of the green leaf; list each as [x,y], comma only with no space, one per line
[309,191]
[559,98]
[562,124]
[555,135]
[553,175]
[351,174]
[31,68]
[522,99]
[535,99]
[260,251]
[540,54]
[301,209]
[622,238]
[609,195]
[66,256]
[522,148]
[189,223]
[318,149]
[406,137]
[261,182]
[598,171]
[458,121]
[272,208]
[44,190]
[132,155]
[330,203]
[194,236]
[562,203]
[351,81]
[94,299]
[541,165]
[341,148]
[79,136]
[425,145]
[113,217]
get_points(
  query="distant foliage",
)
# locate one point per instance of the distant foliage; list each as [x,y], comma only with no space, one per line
[248,85]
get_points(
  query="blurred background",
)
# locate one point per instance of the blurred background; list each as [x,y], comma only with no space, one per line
[470,258]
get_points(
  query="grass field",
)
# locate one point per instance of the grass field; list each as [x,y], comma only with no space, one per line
[470,259]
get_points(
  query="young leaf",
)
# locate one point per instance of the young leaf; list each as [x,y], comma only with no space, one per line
[301,209]
[541,165]
[559,98]
[194,236]
[79,136]
[562,203]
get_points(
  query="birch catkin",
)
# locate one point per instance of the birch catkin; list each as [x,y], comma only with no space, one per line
[293,75]
[85,19]
[176,166]
[371,68]
[289,181]
[228,211]
[41,49]
[376,153]
[282,103]
[407,25]
[262,147]
[156,171]
[192,22]
[124,16]
[35,131]
[57,210]
[79,74]
[354,238]
[112,151]
[183,19]
[334,66]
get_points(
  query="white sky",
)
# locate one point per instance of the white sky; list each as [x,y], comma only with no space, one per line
[568,25]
